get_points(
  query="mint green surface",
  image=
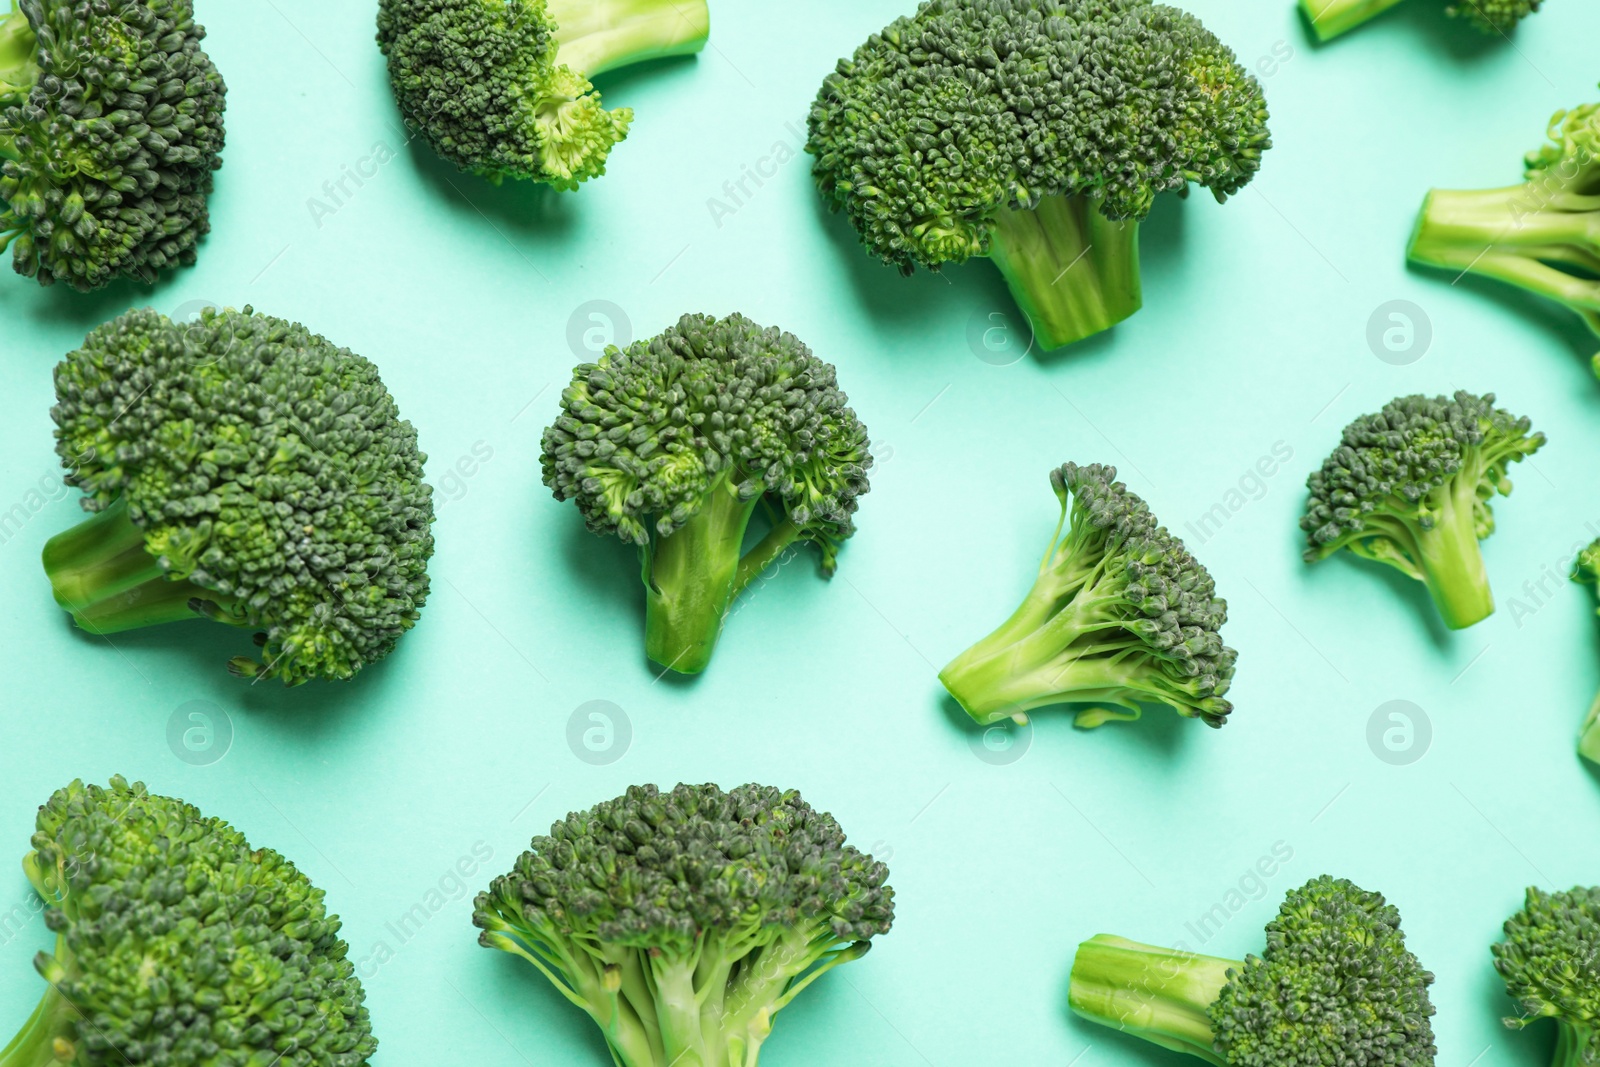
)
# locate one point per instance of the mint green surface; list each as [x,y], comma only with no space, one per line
[1252,341]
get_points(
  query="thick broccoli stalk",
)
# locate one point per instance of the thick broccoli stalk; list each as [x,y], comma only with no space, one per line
[1037,133]
[1550,963]
[1335,984]
[1330,18]
[1121,615]
[179,943]
[682,923]
[110,131]
[1539,236]
[501,88]
[1586,569]
[672,444]
[243,469]
[1410,486]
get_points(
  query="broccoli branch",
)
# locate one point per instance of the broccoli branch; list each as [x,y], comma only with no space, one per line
[1162,995]
[48,1038]
[1330,18]
[1071,270]
[1524,235]
[19,66]
[103,574]
[595,36]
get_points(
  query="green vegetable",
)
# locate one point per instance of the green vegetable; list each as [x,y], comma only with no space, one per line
[243,469]
[1538,235]
[671,444]
[501,87]
[1037,133]
[110,129]
[1548,962]
[683,922]
[1121,614]
[180,945]
[1335,985]
[1410,486]
[1587,569]
[1330,18]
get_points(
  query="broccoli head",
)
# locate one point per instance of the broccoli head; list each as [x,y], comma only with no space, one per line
[243,469]
[501,87]
[1037,133]
[1335,985]
[1330,18]
[1410,486]
[1549,963]
[672,443]
[1121,615]
[683,922]
[110,129]
[1538,235]
[180,945]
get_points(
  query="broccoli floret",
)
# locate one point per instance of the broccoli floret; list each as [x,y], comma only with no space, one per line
[110,129]
[683,922]
[1037,133]
[1410,487]
[1335,985]
[1549,963]
[1121,615]
[180,945]
[244,469]
[672,443]
[501,88]
[1330,18]
[1539,236]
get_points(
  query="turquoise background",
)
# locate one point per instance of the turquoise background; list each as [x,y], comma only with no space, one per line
[1254,339]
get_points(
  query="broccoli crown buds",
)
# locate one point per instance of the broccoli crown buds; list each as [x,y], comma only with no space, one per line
[649,433]
[1549,963]
[180,944]
[947,117]
[109,135]
[1336,984]
[260,467]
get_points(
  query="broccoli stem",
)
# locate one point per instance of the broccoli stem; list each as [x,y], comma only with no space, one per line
[1451,559]
[691,577]
[1163,995]
[19,67]
[1072,271]
[1589,736]
[47,1039]
[101,572]
[1330,18]
[1515,234]
[1574,1042]
[600,35]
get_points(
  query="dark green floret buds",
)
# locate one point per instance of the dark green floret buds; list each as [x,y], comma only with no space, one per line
[1335,985]
[242,469]
[1550,962]
[1410,486]
[683,922]
[1120,616]
[674,443]
[1037,133]
[501,87]
[1330,18]
[110,129]
[180,945]
[1539,235]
